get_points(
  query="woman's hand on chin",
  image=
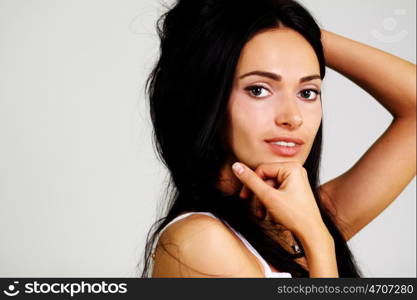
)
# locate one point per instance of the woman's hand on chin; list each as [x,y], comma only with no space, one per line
[282,192]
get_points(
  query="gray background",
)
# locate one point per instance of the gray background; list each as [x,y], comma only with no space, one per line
[79,181]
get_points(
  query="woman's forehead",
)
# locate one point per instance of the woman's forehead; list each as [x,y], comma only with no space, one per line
[280,51]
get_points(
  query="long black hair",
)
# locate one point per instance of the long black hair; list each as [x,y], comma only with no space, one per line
[188,90]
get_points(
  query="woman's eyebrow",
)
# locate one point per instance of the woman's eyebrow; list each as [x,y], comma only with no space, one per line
[277,77]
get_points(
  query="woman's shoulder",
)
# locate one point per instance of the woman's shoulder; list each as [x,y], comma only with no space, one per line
[188,224]
[200,245]
[195,230]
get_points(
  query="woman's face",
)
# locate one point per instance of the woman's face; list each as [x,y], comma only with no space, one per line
[275,96]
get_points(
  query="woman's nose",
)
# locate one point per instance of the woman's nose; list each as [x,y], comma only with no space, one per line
[288,115]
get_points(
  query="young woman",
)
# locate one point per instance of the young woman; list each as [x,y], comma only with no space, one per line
[240,81]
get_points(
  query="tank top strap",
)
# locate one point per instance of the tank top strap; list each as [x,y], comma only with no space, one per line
[184,215]
[267,269]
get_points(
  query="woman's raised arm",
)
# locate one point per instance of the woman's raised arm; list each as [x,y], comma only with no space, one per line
[364,191]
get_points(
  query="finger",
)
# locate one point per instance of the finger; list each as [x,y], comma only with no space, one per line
[261,189]
[278,171]
[271,182]
[246,193]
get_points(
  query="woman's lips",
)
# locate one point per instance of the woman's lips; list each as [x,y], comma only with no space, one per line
[283,150]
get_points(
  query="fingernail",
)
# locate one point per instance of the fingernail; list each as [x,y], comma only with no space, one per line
[237,167]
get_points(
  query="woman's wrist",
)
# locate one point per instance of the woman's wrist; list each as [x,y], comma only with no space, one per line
[316,236]
[320,252]
[328,39]
[321,260]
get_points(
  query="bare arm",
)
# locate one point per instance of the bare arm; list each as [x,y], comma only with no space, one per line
[365,190]
[389,79]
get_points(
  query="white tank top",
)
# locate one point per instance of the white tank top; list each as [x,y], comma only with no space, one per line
[267,270]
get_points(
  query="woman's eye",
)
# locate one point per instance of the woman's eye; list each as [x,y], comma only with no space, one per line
[310,94]
[257,91]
